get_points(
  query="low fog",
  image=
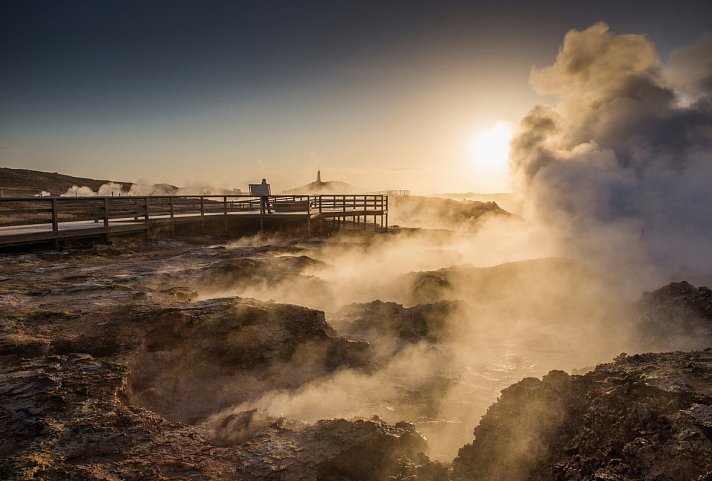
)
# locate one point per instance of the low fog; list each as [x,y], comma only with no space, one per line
[613,180]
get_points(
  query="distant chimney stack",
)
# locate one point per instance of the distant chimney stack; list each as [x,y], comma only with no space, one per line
[318,176]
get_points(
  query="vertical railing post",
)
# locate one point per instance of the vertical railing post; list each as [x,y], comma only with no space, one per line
[309,215]
[225,213]
[386,213]
[171,207]
[202,213]
[147,216]
[106,212]
[55,216]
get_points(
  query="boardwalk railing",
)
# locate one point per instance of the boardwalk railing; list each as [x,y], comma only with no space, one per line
[25,214]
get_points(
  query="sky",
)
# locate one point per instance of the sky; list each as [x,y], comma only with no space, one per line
[391,94]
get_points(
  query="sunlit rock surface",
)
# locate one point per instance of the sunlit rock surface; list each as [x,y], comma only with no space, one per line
[440,212]
[676,314]
[64,417]
[206,356]
[410,324]
[642,417]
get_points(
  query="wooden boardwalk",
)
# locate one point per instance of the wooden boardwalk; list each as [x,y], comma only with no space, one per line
[27,220]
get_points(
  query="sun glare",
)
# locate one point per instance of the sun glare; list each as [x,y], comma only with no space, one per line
[489,156]
[491,145]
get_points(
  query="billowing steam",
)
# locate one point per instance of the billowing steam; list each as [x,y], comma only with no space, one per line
[145,188]
[621,168]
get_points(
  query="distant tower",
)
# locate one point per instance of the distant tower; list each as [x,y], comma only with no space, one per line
[318,176]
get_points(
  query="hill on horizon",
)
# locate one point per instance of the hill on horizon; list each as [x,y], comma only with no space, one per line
[324,187]
[23,182]
[26,182]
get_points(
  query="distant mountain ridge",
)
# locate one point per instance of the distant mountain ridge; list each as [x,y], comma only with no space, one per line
[23,182]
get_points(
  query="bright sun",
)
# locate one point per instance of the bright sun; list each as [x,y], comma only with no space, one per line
[489,157]
[491,146]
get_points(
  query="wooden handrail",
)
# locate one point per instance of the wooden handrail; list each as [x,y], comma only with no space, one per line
[19,211]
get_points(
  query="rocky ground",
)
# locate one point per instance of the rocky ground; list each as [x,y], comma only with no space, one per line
[67,417]
[642,417]
[138,361]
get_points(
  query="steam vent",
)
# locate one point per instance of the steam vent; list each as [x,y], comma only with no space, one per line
[504,274]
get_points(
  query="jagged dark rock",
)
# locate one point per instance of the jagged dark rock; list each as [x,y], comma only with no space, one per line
[206,356]
[642,417]
[64,417]
[678,315]
[333,449]
[111,367]
[373,319]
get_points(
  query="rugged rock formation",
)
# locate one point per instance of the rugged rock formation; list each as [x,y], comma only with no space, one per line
[375,319]
[252,272]
[442,213]
[63,417]
[206,356]
[112,367]
[678,315]
[536,285]
[333,449]
[642,417]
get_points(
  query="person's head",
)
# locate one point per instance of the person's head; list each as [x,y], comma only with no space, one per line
[264,181]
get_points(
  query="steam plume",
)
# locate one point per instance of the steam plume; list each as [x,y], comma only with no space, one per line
[622,167]
[146,188]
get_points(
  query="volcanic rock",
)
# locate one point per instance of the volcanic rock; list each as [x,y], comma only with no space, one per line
[678,315]
[64,417]
[438,212]
[531,286]
[378,318]
[205,356]
[642,417]
[333,449]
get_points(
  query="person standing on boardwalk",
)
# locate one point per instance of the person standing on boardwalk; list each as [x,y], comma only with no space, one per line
[264,200]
